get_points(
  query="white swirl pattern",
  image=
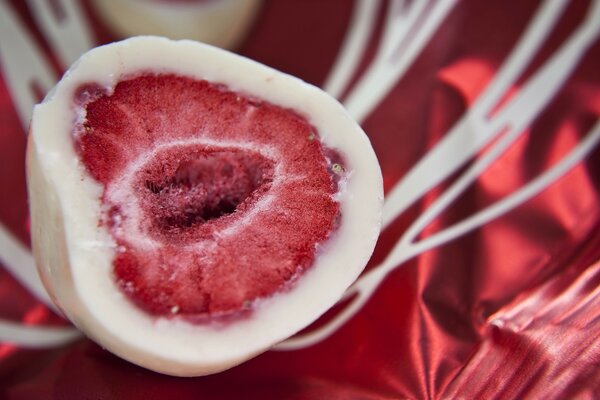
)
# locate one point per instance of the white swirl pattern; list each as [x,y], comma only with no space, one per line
[408,28]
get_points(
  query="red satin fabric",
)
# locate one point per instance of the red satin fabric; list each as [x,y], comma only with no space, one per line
[511,310]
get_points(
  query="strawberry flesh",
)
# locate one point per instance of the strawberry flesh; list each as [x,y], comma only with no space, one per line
[228,200]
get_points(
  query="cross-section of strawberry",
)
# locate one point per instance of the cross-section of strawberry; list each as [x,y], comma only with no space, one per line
[215,200]
[191,208]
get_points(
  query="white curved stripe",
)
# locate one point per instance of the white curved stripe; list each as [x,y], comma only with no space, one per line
[310,338]
[524,194]
[361,27]
[361,289]
[401,18]
[69,36]
[394,27]
[17,260]
[22,64]
[400,21]
[465,138]
[37,337]
[381,78]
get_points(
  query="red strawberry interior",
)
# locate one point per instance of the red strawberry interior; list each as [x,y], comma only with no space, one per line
[214,199]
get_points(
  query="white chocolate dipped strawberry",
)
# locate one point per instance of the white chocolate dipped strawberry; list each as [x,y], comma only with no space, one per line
[191,208]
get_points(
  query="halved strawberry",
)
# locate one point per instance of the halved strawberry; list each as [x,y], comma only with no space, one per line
[191,208]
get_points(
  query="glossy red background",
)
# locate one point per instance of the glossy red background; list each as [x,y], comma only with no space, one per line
[511,310]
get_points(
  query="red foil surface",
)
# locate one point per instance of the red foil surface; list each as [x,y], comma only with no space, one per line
[509,310]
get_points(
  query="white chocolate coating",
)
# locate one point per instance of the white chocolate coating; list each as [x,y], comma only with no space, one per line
[74,255]
[221,23]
